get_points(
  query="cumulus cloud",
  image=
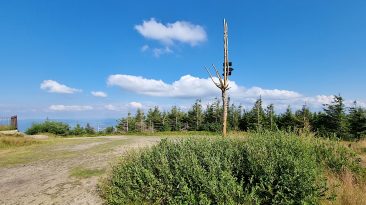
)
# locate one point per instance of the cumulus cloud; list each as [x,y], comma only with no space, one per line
[179,31]
[55,87]
[135,105]
[70,107]
[193,87]
[99,94]
[181,88]
[123,107]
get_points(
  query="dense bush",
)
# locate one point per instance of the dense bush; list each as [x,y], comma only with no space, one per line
[109,130]
[267,168]
[335,156]
[282,170]
[57,128]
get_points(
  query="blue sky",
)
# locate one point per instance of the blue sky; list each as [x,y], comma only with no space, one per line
[54,54]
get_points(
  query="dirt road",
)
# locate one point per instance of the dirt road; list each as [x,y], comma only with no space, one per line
[63,172]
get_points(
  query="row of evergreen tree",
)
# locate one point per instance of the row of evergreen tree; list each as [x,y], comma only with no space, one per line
[334,120]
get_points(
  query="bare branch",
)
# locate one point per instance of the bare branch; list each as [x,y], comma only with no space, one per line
[218,75]
[217,85]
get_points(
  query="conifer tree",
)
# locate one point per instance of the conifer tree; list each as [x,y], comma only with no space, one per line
[357,121]
[336,121]
[270,120]
[256,116]
[287,120]
[195,116]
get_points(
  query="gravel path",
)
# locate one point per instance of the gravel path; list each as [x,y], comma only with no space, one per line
[49,181]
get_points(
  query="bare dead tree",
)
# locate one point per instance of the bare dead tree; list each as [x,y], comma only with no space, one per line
[223,81]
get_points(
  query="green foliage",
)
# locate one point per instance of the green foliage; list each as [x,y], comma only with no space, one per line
[89,129]
[287,120]
[334,120]
[357,121]
[283,170]
[255,117]
[57,128]
[78,130]
[195,116]
[62,129]
[335,156]
[212,117]
[264,168]
[188,172]
[109,130]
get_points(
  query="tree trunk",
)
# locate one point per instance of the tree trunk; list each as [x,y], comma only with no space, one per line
[224,116]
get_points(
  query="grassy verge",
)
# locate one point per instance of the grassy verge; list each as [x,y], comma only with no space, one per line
[9,141]
[82,172]
[6,127]
[57,148]
[26,154]
[347,186]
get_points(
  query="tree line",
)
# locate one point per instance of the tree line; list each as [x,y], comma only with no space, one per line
[334,120]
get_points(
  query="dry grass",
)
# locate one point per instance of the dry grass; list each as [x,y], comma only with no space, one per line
[7,141]
[346,189]
[345,186]
[360,148]
[6,127]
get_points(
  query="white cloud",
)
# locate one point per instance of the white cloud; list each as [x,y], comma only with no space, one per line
[99,94]
[55,87]
[193,87]
[179,31]
[160,51]
[360,103]
[135,105]
[145,48]
[181,88]
[123,107]
[70,107]
[113,107]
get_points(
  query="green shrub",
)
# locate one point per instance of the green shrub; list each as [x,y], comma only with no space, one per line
[109,130]
[282,169]
[78,130]
[57,128]
[264,168]
[336,157]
